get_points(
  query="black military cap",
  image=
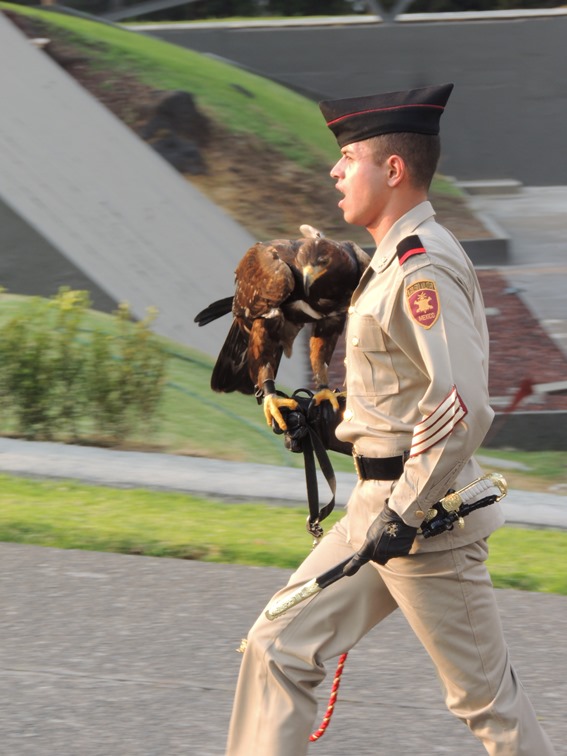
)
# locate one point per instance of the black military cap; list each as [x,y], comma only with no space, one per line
[357,118]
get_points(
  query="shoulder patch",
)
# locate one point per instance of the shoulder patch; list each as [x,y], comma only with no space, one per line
[423,302]
[409,247]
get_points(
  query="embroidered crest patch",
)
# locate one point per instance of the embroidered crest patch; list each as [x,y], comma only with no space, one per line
[423,302]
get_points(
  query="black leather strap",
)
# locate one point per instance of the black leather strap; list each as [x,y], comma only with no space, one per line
[378,468]
[302,436]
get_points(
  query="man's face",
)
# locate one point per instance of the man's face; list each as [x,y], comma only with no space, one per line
[363,184]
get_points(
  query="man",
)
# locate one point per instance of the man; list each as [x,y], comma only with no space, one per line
[417,409]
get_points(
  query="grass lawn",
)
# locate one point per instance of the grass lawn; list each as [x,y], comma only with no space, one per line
[70,515]
[235,97]
[242,101]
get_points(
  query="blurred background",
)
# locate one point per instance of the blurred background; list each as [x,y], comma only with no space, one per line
[147,145]
[144,146]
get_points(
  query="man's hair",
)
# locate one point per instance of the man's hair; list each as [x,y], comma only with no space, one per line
[420,152]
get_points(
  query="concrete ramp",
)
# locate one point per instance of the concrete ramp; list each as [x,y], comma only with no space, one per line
[84,198]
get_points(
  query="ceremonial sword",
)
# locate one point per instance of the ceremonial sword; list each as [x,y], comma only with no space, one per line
[449,510]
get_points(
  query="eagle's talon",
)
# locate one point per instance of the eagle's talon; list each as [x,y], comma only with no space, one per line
[272,404]
[325,394]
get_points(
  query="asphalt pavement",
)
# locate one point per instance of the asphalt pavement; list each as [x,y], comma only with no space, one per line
[116,655]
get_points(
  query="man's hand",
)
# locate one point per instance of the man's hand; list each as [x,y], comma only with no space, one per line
[387,537]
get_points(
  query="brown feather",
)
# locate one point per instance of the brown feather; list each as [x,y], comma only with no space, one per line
[280,286]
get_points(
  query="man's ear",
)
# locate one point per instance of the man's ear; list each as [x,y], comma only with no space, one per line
[396,170]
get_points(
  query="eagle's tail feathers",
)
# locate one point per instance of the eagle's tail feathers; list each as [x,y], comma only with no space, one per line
[230,372]
[214,310]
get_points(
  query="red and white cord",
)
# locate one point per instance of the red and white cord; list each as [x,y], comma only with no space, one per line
[332,700]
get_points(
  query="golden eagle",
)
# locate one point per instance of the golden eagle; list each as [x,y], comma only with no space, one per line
[281,285]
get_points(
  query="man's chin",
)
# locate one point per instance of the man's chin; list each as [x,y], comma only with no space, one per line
[351,218]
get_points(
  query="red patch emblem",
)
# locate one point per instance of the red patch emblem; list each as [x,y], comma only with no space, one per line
[423,302]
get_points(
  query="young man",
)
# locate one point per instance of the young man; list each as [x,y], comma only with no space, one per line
[417,409]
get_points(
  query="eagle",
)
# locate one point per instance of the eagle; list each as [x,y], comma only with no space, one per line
[280,286]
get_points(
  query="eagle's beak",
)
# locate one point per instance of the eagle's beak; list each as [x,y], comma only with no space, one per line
[310,274]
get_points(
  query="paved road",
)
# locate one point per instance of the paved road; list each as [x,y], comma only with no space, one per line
[113,655]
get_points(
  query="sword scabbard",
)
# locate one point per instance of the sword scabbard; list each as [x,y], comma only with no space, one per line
[281,605]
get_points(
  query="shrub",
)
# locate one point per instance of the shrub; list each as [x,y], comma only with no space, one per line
[56,379]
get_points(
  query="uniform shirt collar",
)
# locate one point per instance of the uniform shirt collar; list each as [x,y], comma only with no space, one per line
[404,226]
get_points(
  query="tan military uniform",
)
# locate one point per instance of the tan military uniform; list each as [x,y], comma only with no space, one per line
[417,360]
[417,376]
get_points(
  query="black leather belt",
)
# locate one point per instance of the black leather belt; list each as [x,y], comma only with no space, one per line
[378,468]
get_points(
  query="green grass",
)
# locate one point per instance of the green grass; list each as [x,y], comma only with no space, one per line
[240,100]
[544,464]
[529,560]
[70,515]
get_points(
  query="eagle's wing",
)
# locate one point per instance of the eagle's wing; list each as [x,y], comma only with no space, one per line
[263,280]
[254,345]
[347,263]
[322,343]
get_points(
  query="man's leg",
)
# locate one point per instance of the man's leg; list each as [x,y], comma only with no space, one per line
[448,599]
[275,705]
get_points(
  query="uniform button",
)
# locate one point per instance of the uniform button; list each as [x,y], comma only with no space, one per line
[355,340]
[351,309]
[347,415]
[345,362]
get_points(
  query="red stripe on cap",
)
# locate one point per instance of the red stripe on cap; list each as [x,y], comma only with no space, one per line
[410,252]
[382,110]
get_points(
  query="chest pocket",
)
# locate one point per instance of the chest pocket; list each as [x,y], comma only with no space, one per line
[369,366]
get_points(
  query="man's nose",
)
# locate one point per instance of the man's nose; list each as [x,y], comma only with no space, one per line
[335,170]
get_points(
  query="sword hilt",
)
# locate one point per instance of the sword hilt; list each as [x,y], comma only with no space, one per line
[459,504]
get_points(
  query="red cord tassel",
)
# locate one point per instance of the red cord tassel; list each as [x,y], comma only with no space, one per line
[332,699]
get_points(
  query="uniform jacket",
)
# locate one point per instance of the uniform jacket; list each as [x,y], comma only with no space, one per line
[417,377]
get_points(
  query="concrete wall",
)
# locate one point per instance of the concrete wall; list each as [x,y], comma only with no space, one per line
[506,117]
[30,265]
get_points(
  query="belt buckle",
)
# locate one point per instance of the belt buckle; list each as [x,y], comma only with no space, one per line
[357,466]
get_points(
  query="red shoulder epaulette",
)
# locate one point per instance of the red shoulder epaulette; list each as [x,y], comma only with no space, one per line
[409,247]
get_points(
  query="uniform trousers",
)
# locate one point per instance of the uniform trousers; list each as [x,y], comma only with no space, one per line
[448,599]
